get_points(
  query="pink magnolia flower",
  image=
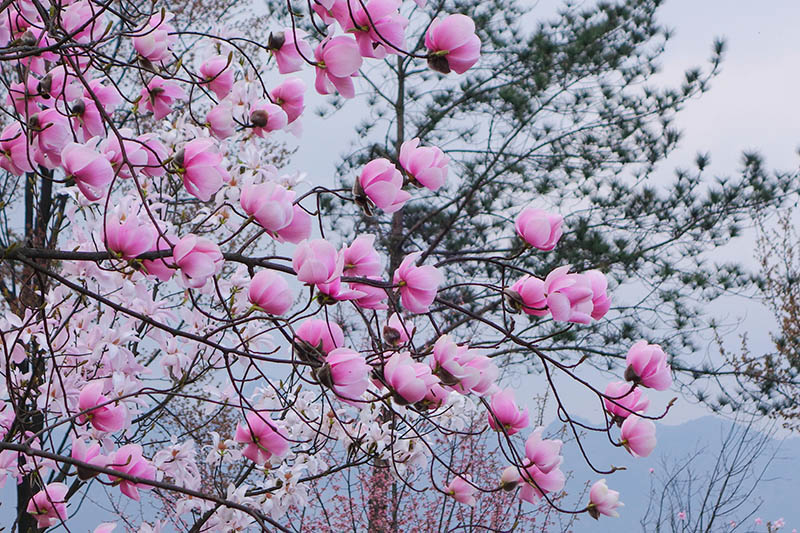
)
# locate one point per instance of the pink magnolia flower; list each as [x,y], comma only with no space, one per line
[628,400]
[16,155]
[601,303]
[338,60]
[129,460]
[88,454]
[682,515]
[317,261]
[155,40]
[408,379]
[91,171]
[639,436]
[24,97]
[335,290]
[539,228]
[418,284]
[105,527]
[270,292]
[481,374]
[379,29]
[266,117]
[263,438]
[163,267]
[298,230]
[290,96]
[217,74]
[156,155]
[527,294]
[129,238]
[84,21]
[461,491]
[203,173]
[426,165]
[374,297]
[449,362]
[108,416]
[569,296]
[603,501]
[543,474]
[382,184]
[125,157]
[86,119]
[220,121]
[321,335]
[160,95]
[361,259]
[108,95]
[49,505]
[198,259]
[346,372]
[52,133]
[505,413]
[284,46]
[270,204]
[647,365]
[398,331]
[453,44]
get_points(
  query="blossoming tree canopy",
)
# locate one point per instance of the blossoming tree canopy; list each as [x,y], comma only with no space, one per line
[161,261]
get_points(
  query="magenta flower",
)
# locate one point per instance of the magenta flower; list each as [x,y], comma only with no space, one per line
[15,152]
[129,460]
[270,204]
[418,284]
[84,21]
[539,228]
[24,97]
[220,121]
[290,96]
[338,291]
[266,117]
[91,171]
[408,379]
[361,259]
[128,156]
[129,238]
[629,400]
[505,413]
[638,436]
[198,259]
[543,474]
[346,372]
[461,491]
[163,267]
[379,29]
[382,184]
[270,292]
[398,331]
[156,155]
[298,230]
[321,335]
[263,438]
[481,374]
[527,294]
[285,49]
[201,166]
[155,40]
[217,75]
[52,133]
[647,366]
[317,261]
[338,60]
[453,44]
[603,501]
[373,297]
[86,119]
[103,414]
[87,454]
[426,165]
[160,95]
[569,296]
[448,362]
[108,96]
[49,505]
[601,303]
